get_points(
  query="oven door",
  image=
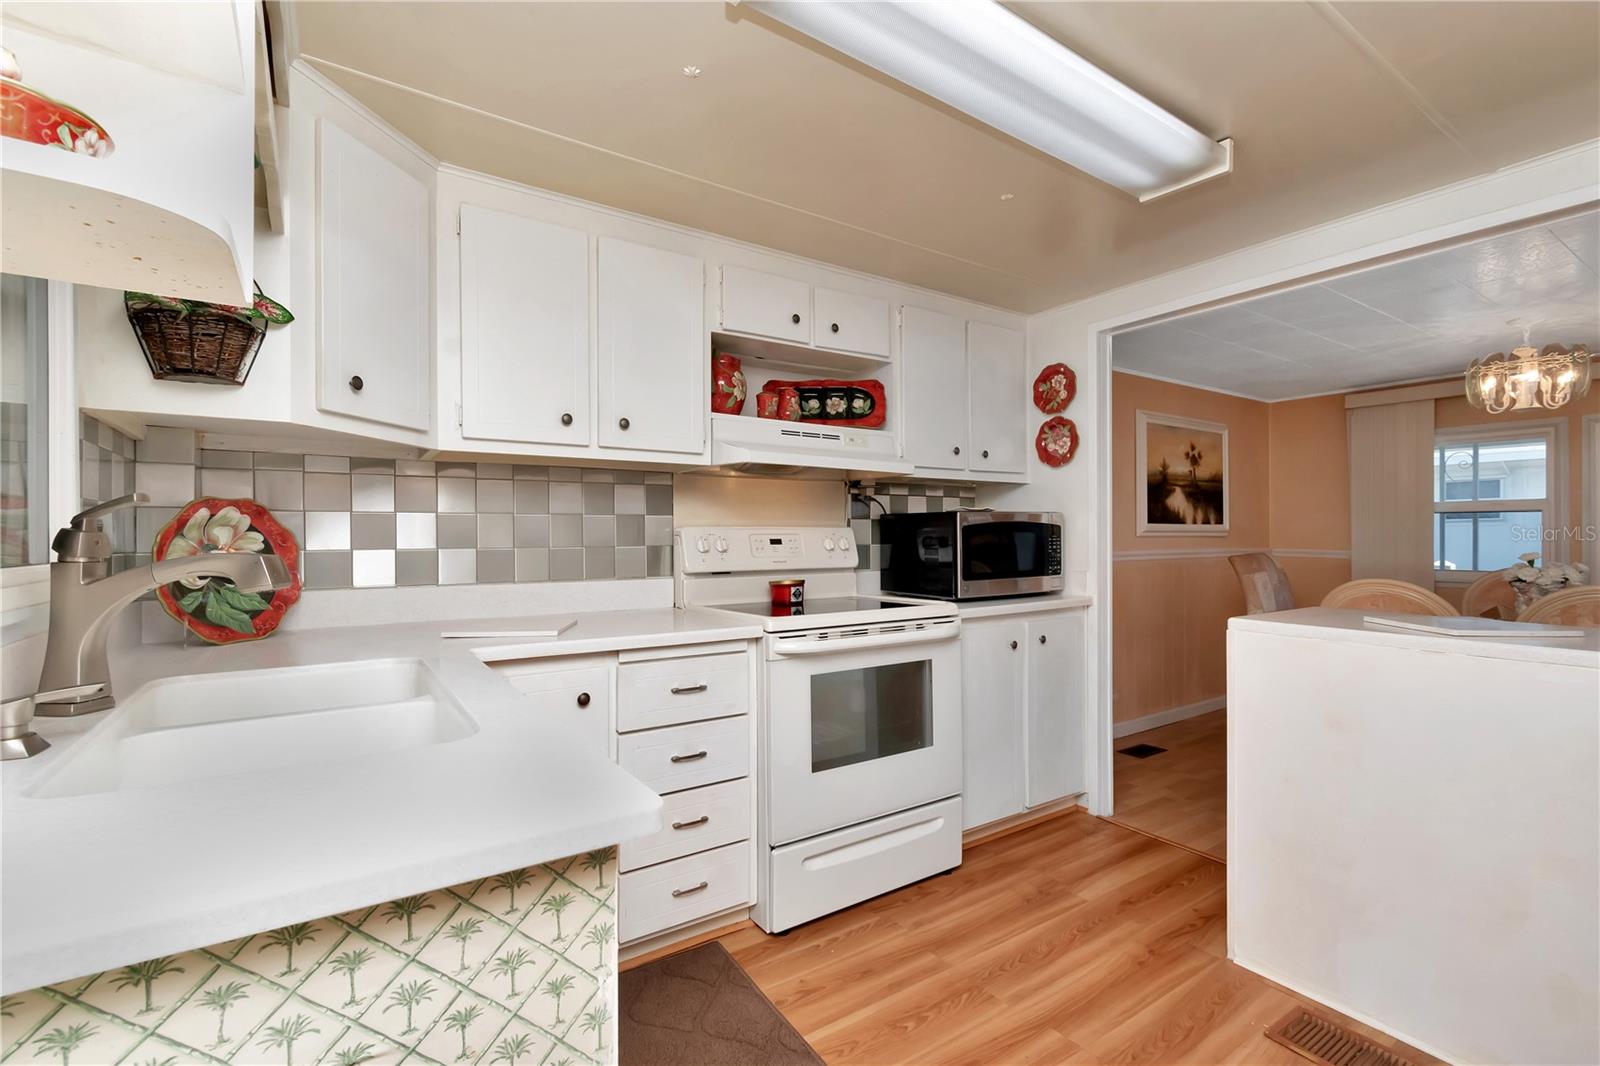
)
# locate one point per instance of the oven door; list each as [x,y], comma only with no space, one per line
[1002,553]
[861,721]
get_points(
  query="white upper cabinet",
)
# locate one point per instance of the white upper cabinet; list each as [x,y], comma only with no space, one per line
[524,329]
[850,322]
[997,360]
[767,305]
[933,360]
[653,348]
[374,297]
[1055,709]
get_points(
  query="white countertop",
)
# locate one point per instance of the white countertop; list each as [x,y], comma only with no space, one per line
[1326,623]
[95,881]
[1023,605]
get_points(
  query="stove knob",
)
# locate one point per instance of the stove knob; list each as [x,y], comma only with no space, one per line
[844,544]
[722,545]
[701,546]
[827,544]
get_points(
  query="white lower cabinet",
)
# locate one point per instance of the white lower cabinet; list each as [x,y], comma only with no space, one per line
[677,892]
[696,819]
[1023,713]
[582,696]
[687,756]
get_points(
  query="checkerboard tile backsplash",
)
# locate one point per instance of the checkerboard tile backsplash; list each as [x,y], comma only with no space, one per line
[370,523]
[871,552]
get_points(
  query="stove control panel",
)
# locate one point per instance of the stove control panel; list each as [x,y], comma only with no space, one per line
[732,550]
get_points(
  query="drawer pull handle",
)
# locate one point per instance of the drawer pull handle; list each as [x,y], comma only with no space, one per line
[687,690]
[583,699]
[702,820]
[701,887]
[701,754]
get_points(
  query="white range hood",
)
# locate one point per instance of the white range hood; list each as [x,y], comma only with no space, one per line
[773,446]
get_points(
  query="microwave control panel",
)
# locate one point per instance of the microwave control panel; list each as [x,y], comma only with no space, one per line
[708,550]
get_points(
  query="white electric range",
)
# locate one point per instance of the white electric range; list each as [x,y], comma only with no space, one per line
[859,725]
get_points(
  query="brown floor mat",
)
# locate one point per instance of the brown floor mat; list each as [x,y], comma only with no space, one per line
[699,1008]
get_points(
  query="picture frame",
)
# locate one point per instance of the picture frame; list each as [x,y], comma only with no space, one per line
[1182,472]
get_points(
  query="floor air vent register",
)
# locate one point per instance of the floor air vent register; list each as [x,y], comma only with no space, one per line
[1320,1040]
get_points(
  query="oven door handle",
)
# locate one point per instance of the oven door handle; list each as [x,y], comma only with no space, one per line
[812,646]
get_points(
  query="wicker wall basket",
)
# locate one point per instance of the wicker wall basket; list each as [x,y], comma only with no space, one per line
[190,340]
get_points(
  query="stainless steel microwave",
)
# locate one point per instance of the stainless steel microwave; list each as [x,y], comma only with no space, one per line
[973,555]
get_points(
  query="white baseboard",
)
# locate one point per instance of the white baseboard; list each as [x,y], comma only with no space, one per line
[1167,717]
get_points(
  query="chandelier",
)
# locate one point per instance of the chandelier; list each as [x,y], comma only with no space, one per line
[1528,378]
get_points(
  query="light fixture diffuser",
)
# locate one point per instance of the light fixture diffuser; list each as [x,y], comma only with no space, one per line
[982,59]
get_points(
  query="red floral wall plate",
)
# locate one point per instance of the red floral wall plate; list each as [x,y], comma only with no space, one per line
[1056,442]
[28,115]
[216,611]
[1054,388]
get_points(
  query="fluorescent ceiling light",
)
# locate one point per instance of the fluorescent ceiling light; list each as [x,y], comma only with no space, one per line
[982,59]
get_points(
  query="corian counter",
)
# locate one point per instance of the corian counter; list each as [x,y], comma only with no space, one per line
[1023,605]
[1414,829]
[95,881]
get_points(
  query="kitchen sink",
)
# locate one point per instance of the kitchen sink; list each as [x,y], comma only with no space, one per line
[185,729]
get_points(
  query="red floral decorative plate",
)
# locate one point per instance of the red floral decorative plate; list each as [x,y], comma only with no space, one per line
[28,115]
[1057,441]
[216,611]
[1054,388]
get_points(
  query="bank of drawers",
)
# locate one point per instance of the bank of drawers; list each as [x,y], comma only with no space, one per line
[683,727]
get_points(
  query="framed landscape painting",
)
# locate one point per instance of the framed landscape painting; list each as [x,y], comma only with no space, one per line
[1183,476]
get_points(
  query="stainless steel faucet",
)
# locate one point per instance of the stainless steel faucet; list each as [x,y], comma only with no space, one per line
[85,596]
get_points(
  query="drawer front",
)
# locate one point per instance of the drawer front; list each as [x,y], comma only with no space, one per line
[672,691]
[579,697]
[683,890]
[687,756]
[695,820]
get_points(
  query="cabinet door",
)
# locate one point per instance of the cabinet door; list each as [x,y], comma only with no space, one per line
[850,322]
[524,329]
[1055,707]
[580,699]
[374,298]
[992,695]
[933,355]
[766,304]
[997,393]
[652,351]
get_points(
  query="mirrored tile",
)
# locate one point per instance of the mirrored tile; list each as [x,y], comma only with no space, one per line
[533,564]
[566,564]
[327,530]
[494,496]
[458,566]
[325,570]
[494,531]
[372,531]
[531,497]
[495,566]
[416,530]
[327,492]
[458,530]
[371,492]
[416,568]
[531,531]
[415,494]
[372,569]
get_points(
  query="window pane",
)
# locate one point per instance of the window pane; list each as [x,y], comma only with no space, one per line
[1504,535]
[1453,470]
[1455,532]
[24,451]
[1518,468]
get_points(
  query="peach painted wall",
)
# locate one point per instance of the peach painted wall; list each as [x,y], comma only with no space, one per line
[1170,615]
[1308,494]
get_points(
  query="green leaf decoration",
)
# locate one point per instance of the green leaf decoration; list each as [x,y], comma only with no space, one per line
[240,601]
[192,600]
[219,613]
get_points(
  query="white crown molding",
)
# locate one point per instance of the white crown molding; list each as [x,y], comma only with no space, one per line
[305,70]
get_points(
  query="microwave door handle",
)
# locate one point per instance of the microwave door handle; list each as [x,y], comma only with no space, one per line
[812,646]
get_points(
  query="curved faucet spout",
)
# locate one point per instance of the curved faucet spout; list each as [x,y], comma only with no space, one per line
[76,678]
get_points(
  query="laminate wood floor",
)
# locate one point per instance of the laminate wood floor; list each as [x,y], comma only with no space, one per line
[1073,941]
[1180,795]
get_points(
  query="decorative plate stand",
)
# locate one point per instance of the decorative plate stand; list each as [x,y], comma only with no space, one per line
[1057,441]
[1054,388]
[212,608]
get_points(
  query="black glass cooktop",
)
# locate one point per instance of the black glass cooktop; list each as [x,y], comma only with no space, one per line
[820,606]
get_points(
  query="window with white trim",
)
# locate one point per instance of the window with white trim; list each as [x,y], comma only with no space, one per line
[1495,495]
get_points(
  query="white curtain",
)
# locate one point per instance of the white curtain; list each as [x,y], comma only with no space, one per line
[1391,491]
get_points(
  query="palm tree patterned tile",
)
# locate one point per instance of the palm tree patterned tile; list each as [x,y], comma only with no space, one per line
[517,968]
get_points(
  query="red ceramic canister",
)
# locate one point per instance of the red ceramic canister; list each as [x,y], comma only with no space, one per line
[789,404]
[766,404]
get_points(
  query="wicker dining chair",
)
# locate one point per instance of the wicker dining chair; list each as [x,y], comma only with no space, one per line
[1491,596]
[1390,596]
[1577,606]
[1266,586]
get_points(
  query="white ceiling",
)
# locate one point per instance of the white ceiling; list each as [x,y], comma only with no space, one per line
[1406,321]
[1333,107]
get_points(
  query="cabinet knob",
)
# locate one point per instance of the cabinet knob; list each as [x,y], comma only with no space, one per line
[834,327]
[566,419]
[795,319]
[583,699]
[1013,645]
[1041,638]
[986,453]
[356,383]
[623,423]
[956,450]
